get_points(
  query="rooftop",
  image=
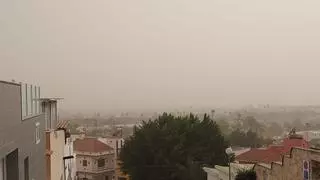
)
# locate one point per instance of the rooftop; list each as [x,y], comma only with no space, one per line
[62,124]
[49,99]
[90,145]
[272,153]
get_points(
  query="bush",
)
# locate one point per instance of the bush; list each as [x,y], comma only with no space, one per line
[246,175]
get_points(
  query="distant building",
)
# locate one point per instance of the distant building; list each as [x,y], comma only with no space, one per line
[22,137]
[310,135]
[94,160]
[299,164]
[273,152]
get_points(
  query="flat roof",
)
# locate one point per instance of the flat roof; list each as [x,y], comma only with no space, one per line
[12,83]
[50,99]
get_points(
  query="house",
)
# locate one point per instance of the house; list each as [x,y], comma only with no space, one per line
[222,172]
[273,152]
[116,143]
[299,163]
[22,137]
[60,164]
[94,160]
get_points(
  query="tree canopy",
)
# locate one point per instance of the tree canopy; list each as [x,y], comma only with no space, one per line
[247,139]
[173,148]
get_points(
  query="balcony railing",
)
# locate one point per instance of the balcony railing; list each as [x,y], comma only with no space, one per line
[98,170]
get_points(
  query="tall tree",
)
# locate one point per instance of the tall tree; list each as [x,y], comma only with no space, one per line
[224,126]
[252,124]
[173,148]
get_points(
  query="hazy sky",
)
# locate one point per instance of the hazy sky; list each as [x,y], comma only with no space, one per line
[112,54]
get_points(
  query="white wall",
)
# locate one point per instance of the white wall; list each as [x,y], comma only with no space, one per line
[70,163]
[57,143]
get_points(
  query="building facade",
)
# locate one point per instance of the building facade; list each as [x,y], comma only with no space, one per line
[94,159]
[116,143]
[222,172]
[300,164]
[22,137]
[60,161]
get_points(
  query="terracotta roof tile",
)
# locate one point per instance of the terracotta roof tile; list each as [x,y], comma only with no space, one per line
[62,124]
[91,145]
[272,153]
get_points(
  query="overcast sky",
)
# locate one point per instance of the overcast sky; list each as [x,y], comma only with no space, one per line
[120,54]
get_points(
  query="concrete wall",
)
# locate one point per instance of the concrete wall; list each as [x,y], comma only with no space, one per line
[17,133]
[57,147]
[291,168]
[92,171]
[92,165]
[70,163]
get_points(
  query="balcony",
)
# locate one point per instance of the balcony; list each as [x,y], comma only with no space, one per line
[98,170]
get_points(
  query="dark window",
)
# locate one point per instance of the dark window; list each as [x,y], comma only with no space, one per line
[101,162]
[84,178]
[122,178]
[26,168]
[315,169]
[12,165]
[107,178]
[84,163]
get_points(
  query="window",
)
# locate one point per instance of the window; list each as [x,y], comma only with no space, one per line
[53,113]
[37,133]
[34,100]
[29,100]
[24,100]
[84,163]
[107,178]
[38,101]
[315,169]
[26,168]
[30,103]
[101,162]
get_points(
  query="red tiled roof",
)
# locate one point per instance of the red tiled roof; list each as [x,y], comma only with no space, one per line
[272,153]
[62,124]
[260,155]
[91,145]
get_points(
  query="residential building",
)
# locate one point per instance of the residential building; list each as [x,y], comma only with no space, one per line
[116,143]
[60,164]
[222,172]
[273,152]
[22,137]
[299,164]
[94,160]
[310,135]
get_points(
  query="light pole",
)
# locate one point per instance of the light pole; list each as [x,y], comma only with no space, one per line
[229,153]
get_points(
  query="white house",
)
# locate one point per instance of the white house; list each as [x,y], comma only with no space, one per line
[222,172]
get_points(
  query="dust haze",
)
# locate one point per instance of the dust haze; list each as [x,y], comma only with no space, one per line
[111,54]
